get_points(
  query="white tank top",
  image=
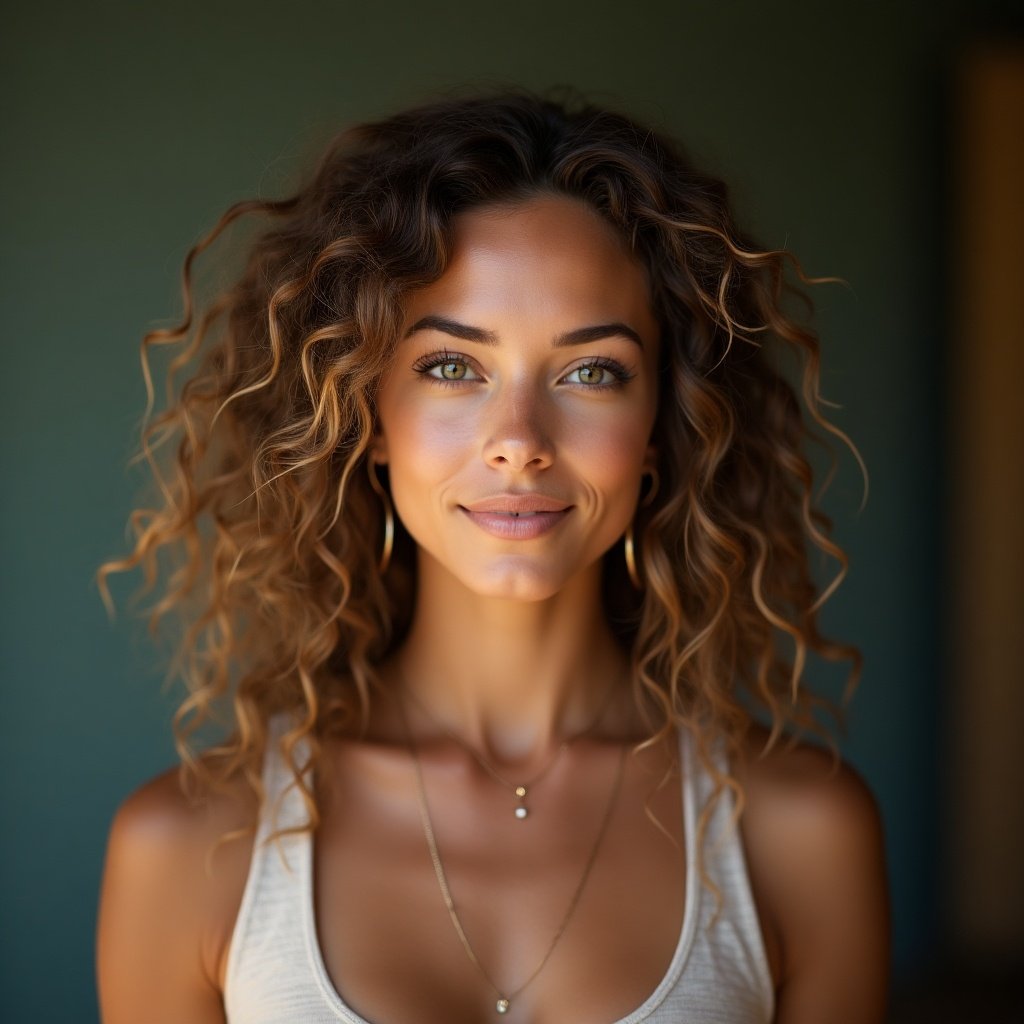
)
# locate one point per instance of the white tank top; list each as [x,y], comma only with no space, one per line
[276,973]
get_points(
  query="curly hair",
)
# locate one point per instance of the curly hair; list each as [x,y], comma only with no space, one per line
[264,536]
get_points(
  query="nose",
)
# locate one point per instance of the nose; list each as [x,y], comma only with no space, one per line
[517,435]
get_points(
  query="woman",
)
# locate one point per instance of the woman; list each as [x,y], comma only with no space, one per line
[491,510]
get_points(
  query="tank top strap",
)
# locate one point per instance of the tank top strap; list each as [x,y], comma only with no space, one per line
[729,930]
[284,807]
[268,945]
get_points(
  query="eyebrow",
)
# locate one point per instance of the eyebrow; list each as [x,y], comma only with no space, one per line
[579,336]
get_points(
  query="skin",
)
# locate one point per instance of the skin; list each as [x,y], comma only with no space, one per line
[510,650]
[520,419]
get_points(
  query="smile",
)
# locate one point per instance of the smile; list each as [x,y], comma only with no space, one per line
[516,525]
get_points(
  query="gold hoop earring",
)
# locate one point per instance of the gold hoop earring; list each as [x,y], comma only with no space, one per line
[389,518]
[630,550]
[634,576]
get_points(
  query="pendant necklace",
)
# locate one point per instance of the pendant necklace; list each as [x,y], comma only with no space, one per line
[521,789]
[504,999]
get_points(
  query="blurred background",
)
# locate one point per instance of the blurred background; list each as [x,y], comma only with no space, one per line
[881,142]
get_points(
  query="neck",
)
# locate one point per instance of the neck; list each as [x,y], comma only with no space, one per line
[512,679]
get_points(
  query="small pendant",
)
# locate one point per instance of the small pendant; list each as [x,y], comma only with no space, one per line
[521,811]
[502,1006]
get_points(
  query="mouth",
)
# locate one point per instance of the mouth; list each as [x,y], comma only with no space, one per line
[512,525]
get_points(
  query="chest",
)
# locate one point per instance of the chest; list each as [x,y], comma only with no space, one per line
[560,951]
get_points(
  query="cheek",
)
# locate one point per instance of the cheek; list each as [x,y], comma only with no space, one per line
[427,447]
[608,449]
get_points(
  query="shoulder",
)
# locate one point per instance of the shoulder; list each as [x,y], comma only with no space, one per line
[171,888]
[803,787]
[160,811]
[815,848]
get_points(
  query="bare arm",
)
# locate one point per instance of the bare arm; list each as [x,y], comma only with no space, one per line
[157,934]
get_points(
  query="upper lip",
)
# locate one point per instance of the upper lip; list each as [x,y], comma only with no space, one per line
[531,502]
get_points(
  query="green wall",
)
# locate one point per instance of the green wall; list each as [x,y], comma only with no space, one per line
[127,128]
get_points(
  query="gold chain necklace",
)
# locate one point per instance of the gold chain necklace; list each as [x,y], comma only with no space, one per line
[504,1000]
[521,789]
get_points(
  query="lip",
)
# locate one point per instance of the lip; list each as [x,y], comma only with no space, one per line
[517,516]
[517,502]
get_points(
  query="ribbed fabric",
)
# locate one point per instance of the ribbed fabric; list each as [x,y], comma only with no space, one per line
[276,974]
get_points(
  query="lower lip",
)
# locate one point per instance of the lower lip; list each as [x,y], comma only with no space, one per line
[516,527]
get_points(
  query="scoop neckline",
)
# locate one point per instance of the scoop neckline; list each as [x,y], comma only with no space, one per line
[680,955]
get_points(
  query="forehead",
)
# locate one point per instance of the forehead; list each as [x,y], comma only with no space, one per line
[550,258]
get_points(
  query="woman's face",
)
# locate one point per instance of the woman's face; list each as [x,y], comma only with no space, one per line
[524,381]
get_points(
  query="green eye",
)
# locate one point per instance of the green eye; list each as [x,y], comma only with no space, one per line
[453,370]
[592,374]
[446,368]
[600,374]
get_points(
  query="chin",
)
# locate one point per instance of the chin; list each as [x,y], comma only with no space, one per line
[515,582]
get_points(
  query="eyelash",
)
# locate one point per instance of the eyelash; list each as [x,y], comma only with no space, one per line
[424,365]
